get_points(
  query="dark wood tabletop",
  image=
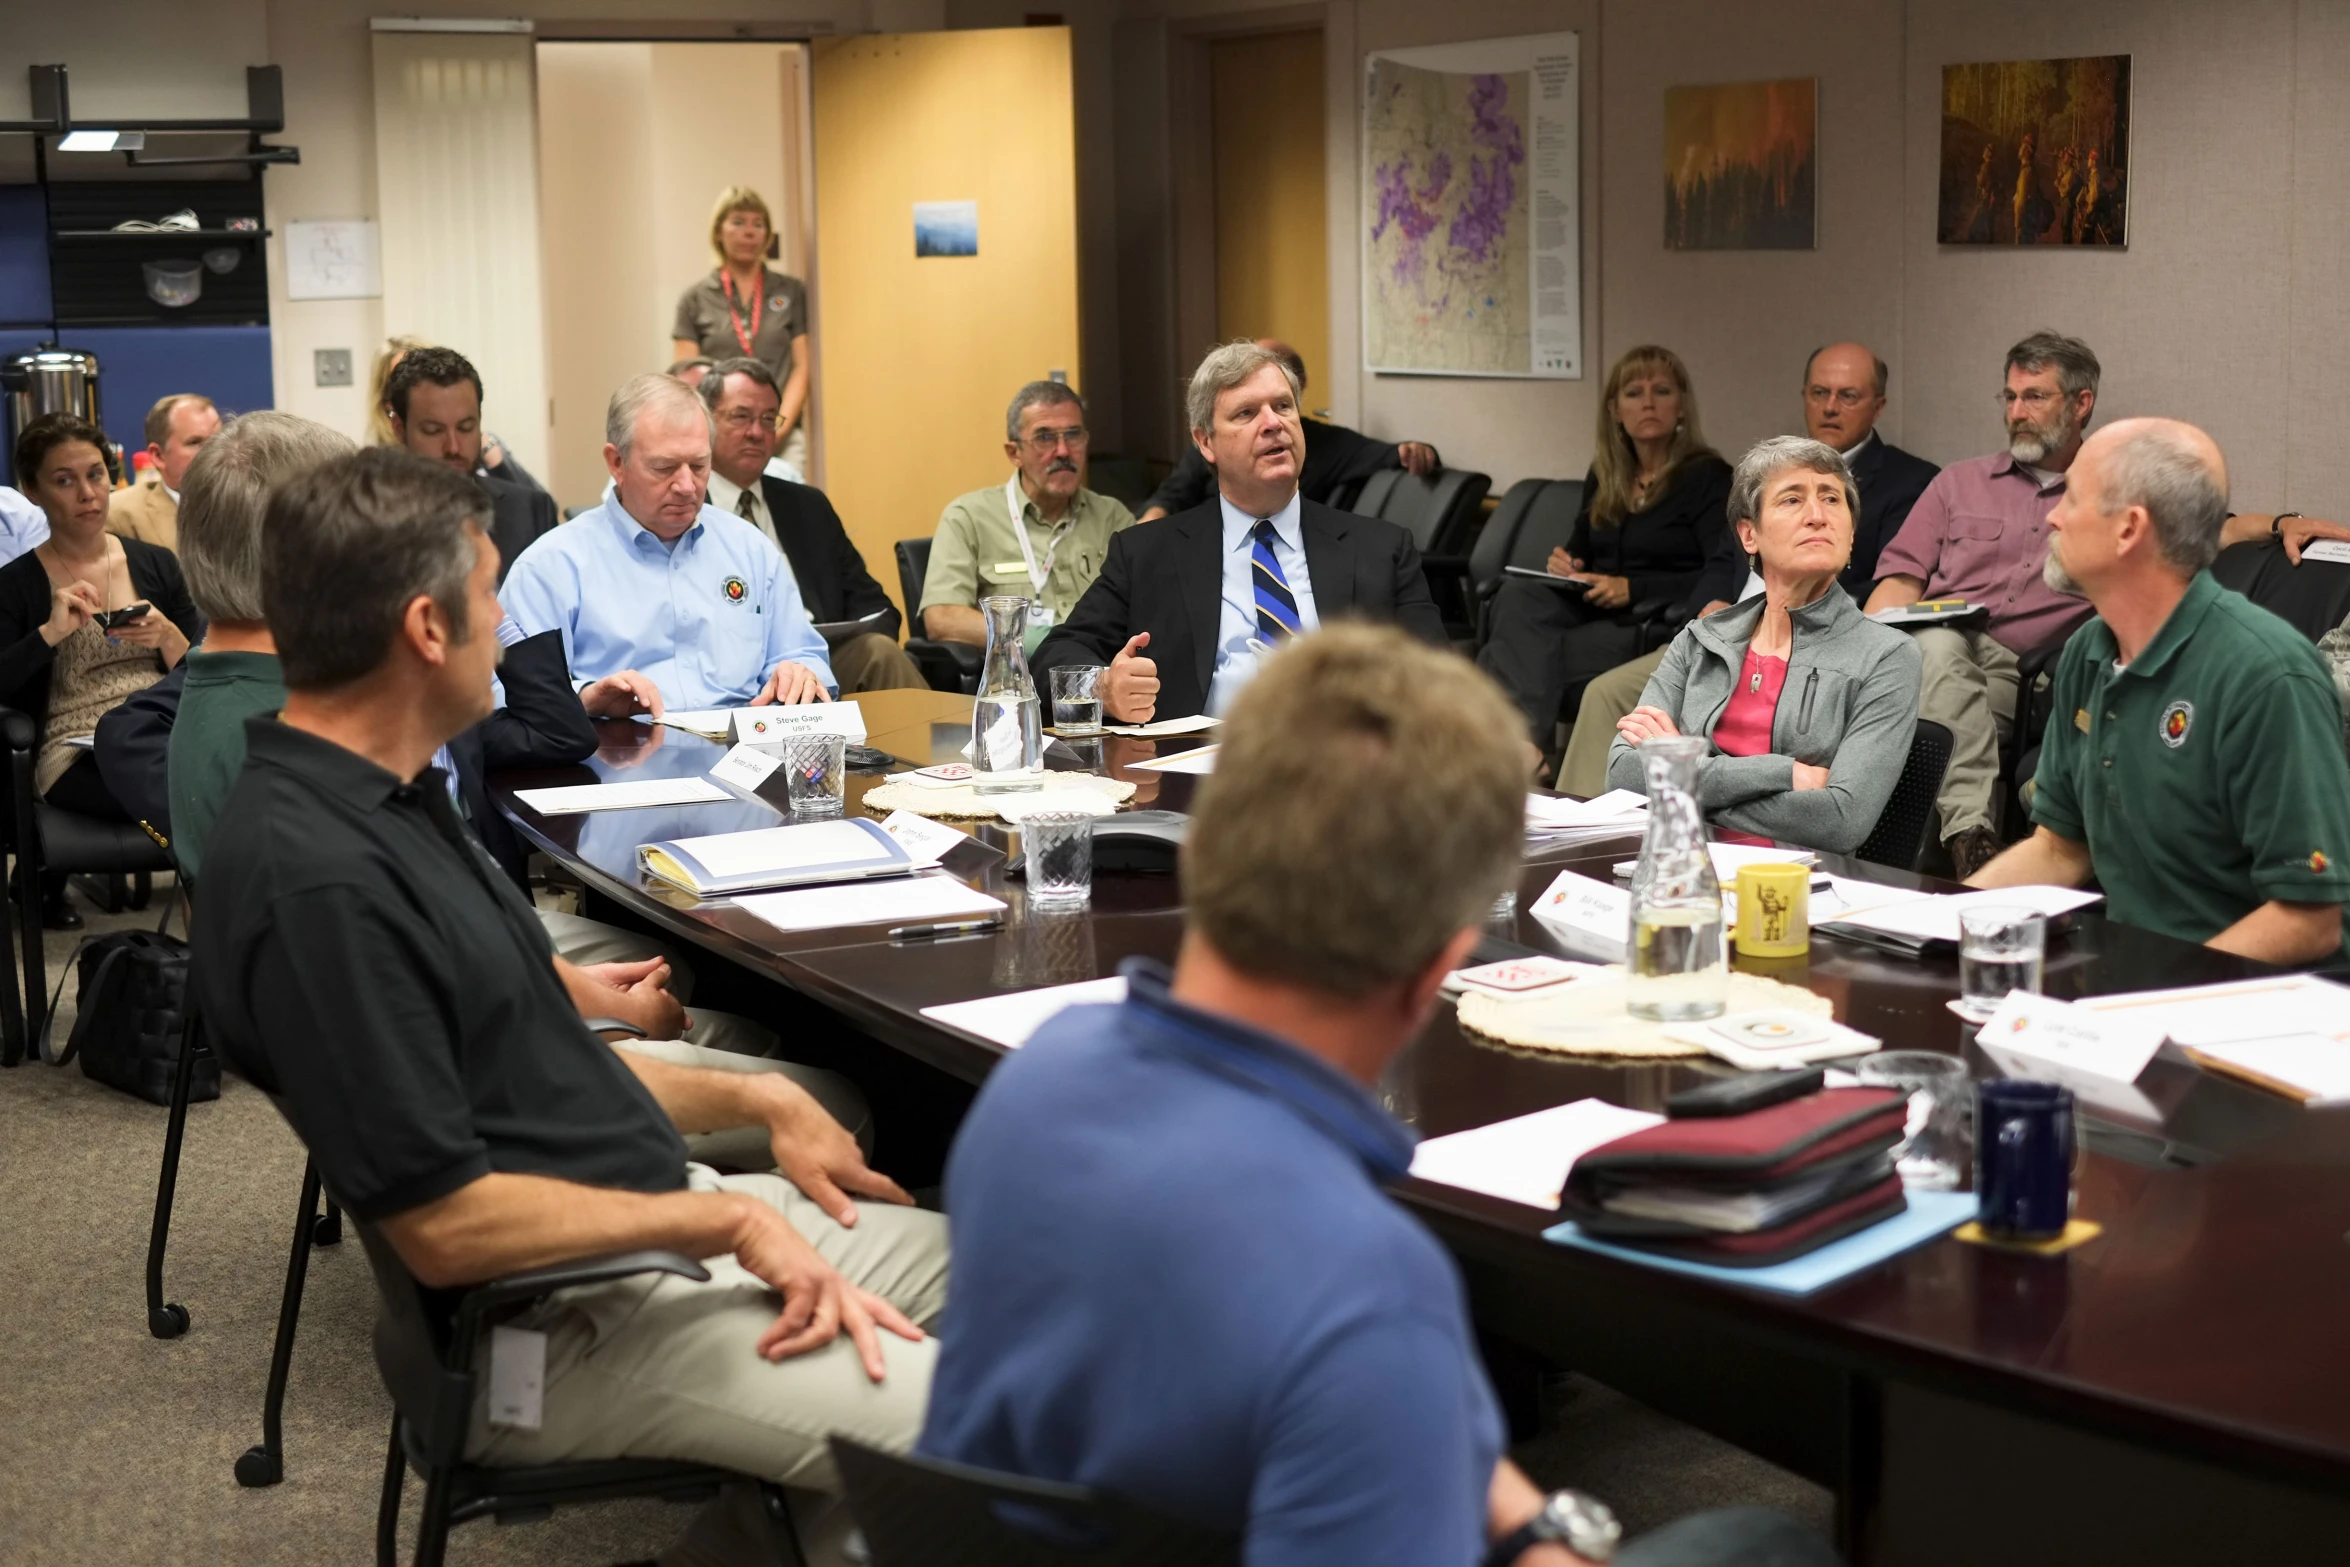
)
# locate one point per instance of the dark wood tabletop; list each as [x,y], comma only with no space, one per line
[2205,1324]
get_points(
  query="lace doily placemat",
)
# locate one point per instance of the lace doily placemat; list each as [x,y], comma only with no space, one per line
[1063,792]
[1589,1019]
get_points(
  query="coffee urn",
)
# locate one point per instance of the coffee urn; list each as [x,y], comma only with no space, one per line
[45,381]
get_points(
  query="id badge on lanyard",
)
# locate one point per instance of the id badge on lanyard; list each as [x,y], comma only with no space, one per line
[1040,614]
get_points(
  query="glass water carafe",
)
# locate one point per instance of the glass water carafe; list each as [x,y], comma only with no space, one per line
[1676,952]
[1007,735]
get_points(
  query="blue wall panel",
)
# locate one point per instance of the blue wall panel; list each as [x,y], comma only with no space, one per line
[138,364]
[24,254]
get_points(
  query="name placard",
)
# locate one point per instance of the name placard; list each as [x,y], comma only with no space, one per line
[2044,1029]
[755,774]
[774,725]
[1592,914]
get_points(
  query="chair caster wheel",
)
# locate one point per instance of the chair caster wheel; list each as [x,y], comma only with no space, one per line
[168,1320]
[326,1230]
[257,1467]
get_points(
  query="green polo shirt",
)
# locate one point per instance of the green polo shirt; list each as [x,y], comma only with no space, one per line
[2207,777]
[975,555]
[208,741]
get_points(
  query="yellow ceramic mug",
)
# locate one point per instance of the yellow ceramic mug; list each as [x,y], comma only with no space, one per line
[1774,911]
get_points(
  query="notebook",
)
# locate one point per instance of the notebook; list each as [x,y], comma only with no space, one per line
[801,855]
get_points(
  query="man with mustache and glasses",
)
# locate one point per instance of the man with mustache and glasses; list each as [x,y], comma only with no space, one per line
[1980,533]
[1041,535]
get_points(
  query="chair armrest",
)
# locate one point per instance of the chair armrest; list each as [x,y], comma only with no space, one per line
[482,1299]
[612,1025]
[17,731]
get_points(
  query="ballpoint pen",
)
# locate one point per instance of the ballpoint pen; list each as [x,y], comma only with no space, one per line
[952,928]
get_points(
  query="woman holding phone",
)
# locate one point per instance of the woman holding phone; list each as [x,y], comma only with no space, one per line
[86,620]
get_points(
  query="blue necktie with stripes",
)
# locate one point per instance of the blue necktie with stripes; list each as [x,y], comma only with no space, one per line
[1276,605]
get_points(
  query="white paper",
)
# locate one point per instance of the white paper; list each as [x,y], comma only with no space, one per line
[1591,910]
[1197,723]
[2114,1046]
[773,724]
[1010,1020]
[1616,808]
[1935,917]
[1526,1159]
[332,261]
[518,1378]
[711,723]
[2335,550]
[2201,1015]
[928,841]
[632,795]
[2318,1065]
[1201,759]
[1728,857]
[896,899]
[767,849]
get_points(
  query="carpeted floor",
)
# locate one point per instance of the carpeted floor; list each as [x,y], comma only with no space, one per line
[120,1446]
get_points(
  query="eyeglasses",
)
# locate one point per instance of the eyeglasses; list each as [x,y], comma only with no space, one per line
[2037,397]
[1842,396]
[744,419]
[1046,440]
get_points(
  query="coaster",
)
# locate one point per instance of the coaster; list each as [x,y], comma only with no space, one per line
[2078,1232]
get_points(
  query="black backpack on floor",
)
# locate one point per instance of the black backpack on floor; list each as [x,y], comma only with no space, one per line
[132,1005]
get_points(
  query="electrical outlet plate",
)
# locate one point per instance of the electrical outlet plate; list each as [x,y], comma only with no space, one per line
[333,366]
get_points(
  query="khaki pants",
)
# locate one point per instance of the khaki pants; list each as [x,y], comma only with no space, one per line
[581,941]
[1609,697]
[748,1147]
[1969,688]
[873,662]
[660,1367]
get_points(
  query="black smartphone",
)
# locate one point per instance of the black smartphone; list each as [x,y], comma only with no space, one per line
[108,619]
[1747,1091]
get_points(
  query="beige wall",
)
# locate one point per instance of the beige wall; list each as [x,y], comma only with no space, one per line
[624,129]
[922,354]
[1272,226]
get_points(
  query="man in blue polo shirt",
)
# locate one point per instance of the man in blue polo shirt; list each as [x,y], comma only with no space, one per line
[657,581]
[1176,1278]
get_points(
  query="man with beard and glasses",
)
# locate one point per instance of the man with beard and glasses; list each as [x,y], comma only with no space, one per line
[1980,533]
[1041,535]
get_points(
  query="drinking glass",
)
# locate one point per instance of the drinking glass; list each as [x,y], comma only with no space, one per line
[816,767]
[1058,847]
[1933,1150]
[1999,950]
[1077,699]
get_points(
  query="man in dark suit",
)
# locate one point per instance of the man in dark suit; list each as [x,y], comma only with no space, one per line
[1843,395]
[433,399]
[1185,609]
[1336,463]
[742,398]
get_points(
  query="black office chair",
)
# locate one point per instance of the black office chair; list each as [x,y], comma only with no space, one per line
[1905,827]
[424,1348]
[1535,517]
[1440,513]
[921,1512]
[948,666]
[47,839]
[2313,597]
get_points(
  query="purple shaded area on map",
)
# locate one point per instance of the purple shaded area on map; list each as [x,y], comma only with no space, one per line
[1493,181]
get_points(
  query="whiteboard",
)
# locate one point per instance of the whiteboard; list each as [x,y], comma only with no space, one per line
[336,260]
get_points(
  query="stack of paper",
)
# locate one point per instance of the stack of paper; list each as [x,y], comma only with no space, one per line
[1916,923]
[2289,1035]
[1728,857]
[1197,723]
[803,854]
[1556,820]
[1526,1159]
[932,895]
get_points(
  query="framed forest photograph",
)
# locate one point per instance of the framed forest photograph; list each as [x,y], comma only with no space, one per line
[2036,152]
[1739,166]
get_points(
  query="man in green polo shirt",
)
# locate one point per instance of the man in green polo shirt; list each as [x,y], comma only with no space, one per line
[1063,537]
[2194,759]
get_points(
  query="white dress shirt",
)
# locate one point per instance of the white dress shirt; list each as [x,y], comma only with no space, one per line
[1238,647]
[727,496]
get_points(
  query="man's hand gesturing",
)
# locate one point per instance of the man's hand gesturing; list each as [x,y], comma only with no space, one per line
[1130,691]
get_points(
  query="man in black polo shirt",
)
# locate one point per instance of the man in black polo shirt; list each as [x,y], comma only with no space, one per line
[2193,761]
[364,960]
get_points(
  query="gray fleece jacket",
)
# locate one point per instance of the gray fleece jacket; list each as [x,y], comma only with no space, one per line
[1850,705]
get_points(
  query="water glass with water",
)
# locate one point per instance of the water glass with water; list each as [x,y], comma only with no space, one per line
[1999,950]
[1933,1150]
[816,769]
[1077,699]
[1058,848]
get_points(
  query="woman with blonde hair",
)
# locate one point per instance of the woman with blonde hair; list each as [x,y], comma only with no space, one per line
[747,309]
[1649,539]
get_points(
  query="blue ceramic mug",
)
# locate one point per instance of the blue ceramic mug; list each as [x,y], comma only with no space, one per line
[2023,1158]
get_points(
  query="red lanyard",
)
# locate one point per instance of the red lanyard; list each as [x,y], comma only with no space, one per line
[758,299]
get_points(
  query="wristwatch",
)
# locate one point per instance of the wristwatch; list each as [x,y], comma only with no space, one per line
[1583,1524]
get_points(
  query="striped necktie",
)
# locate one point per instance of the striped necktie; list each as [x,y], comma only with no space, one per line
[746,509]
[1276,605]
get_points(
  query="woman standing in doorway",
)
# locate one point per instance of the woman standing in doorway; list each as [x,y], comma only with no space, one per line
[747,308]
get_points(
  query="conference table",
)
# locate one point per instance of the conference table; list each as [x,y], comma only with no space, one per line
[2177,1389]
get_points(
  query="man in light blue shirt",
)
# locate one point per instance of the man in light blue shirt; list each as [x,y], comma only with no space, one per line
[23,525]
[656,582]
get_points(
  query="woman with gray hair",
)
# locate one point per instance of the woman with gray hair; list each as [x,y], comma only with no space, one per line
[1810,705]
